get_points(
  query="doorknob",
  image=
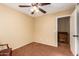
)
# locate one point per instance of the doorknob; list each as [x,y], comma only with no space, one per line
[75,35]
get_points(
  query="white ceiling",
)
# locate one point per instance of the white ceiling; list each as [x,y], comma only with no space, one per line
[52,8]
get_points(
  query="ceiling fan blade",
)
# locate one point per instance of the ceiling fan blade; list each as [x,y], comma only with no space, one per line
[32,12]
[24,6]
[43,11]
[42,4]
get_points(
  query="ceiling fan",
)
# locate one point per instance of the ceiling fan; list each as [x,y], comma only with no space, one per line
[36,7]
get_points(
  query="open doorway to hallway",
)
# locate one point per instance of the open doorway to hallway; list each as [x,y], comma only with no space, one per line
[64,32]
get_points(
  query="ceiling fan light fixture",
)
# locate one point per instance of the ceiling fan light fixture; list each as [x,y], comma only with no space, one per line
[37,10]
[32,10]
[34,7]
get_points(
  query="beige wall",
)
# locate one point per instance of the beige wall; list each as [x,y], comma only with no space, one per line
[46,28]
[16,29]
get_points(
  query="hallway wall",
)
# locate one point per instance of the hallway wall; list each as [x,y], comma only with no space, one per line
[64,24]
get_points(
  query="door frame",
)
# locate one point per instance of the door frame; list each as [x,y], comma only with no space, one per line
[57,26]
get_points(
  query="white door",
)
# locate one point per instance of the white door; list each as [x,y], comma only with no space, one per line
[78,31]
[73,32]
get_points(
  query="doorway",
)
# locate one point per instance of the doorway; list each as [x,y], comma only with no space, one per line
[64,31]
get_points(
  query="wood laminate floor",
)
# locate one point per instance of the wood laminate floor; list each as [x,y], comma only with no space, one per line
[37,49]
